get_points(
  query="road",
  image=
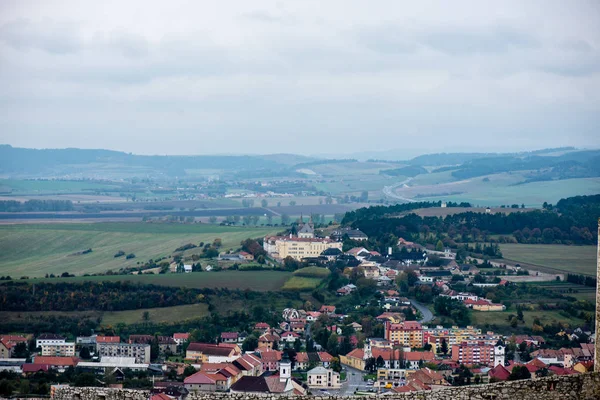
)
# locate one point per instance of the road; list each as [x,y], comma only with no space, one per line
[427,314]
[354,381]
[389,191]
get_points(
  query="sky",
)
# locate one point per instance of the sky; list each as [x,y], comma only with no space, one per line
[306,77]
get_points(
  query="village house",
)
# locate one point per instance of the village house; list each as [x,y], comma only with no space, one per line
[212,353]
[181,338]
[268,341]
[329,310]
[8,344]
[229,337]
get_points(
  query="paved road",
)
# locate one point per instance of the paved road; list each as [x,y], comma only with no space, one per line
[354,380]
[390,191]
[427,314]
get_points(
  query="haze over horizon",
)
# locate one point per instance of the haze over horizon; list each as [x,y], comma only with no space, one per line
[312,78]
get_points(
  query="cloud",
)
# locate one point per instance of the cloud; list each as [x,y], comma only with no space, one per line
[48,35]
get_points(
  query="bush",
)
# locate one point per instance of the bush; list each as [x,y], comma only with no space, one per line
[119,253]
[130,256]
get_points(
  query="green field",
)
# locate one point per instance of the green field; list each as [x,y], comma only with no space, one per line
[501,190]
[580,292]
[253,280]
[39,249]
[312,272]
[157,315]
[54,186]
[574,259]
[302,283]
[499,318]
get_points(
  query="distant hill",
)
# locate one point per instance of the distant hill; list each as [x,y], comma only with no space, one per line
[68,161]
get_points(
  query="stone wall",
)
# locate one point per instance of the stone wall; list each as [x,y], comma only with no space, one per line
[571,387]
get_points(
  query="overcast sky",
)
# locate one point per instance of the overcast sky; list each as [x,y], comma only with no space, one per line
[310,77]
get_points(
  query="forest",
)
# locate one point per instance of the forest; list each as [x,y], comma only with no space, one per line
[35,205]
[572,221]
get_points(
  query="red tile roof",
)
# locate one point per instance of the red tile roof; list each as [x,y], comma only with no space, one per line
[56,361]
[108,339]
[499,372]
[35,368]
[184,336]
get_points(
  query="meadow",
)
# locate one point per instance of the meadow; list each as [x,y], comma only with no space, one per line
[262,281]
[301,283]
[573,259]
[499,319]
[39,249]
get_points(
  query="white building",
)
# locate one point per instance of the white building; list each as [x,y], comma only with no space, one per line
[64,349]
[323,378]
[499,351]
[49,338]
[115,362]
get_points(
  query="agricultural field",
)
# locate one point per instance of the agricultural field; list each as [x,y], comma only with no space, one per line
[39,249]
[501,189]
[553,258]
[312,272]
[580,292]
[156,315]
[500,318]
[16,186]
[262,281]
[302,283]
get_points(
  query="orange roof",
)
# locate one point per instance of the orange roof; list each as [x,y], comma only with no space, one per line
[108,339]
[184,336]
[419,355]
[160,396]
[56,361]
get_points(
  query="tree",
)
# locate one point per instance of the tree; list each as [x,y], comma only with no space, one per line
[335,364]
[212,219]
[444,347]
[285,219]
[439,246]
[84,353]
[379,362]
[250,344]
[292,203]
[189,370]
[264,203]
[154,349]
[332,344]
[146,316]
[514,322]
[519,372]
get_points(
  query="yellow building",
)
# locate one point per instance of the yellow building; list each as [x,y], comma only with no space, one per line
[297,248]
[407,333]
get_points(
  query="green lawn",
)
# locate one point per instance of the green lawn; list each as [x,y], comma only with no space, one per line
[157,315]
[575,259]
[312,272]
[252,280]
[301,283]
[39,249]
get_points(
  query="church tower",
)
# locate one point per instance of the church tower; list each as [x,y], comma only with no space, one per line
[285,368]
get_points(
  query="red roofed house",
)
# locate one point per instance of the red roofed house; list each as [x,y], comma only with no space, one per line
[181,338]
[499,373]
[204,382]
[289,337]
[270,360]
[229,337]
[267,341]
[29,369]
[327,309]
[208,352]
[262,326]
[59,363]
[8,344]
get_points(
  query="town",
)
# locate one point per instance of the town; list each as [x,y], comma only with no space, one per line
[370,339]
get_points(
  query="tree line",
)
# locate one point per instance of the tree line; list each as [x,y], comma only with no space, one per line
[36,205]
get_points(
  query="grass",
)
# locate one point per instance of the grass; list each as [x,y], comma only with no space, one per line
[38,187]
[312,272]
[501,190]
[39,249]
[252,280]
[499,318]
[301,283]
[580,292]
[157,315]
[574,259]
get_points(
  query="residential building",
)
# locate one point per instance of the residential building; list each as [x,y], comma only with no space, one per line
[267,341]
[205,382]
[48,338]
[282,384]
[208,352]
[108,339]
[8,344]
[407,333]
[111,363]
[229,337]
[478,353]
[181,338]
[66,349]
[329,310]
[484,305]
[249,364]
[58,363]
[166,344]
[353,234]
[298,248]
[140,352]
[323,378]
